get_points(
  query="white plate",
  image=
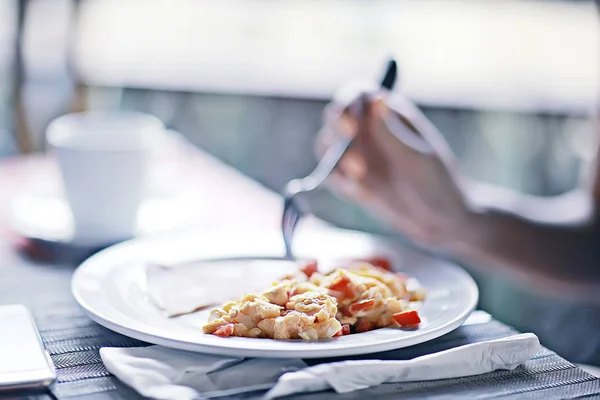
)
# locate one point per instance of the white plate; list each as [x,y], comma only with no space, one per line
[110,286]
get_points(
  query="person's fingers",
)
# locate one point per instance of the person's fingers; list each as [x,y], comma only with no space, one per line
[361,194]
[331,112]
[349,188]
[401,128]
[346,99]
[367,146]
[344,124]
[353,166]
[347,125]
[367,115]
[351,93]
[341,115]
[410,125]
[376,150]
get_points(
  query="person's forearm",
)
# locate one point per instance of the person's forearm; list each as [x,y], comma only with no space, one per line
[571,208]
[536,247]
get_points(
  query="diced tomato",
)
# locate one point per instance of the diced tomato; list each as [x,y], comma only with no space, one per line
[225,330]
[363,326]
[310,268]
[343,287]
[361,306]
[407,319]
[340,285]
[345,329]
[344,312]
[338,333]
[380,262]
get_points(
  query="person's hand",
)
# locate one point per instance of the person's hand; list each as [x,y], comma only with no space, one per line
[398,166]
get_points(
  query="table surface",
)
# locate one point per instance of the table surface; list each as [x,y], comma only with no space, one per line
[73,340]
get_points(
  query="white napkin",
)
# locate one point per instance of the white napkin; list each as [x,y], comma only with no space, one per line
[472,359]
[164,373]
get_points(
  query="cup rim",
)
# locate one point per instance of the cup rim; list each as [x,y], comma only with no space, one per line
[58,129]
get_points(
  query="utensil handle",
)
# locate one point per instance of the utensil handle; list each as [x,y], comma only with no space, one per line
[334,154]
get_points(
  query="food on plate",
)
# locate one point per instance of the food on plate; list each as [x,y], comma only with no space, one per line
[362,296]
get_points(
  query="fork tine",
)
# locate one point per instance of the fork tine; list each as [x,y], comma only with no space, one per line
[291,217]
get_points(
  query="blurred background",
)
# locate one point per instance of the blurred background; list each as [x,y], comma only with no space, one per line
[511,84]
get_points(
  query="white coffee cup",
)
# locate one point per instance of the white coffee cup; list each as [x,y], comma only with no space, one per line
[103,159]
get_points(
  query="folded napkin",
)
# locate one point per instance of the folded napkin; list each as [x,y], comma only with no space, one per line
[472,359]
[164,373]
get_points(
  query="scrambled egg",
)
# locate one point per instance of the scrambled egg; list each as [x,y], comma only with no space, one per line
[309,305]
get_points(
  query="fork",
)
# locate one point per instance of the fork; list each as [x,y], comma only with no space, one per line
[292,212]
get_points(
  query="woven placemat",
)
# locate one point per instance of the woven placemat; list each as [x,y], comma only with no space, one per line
[73,341]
